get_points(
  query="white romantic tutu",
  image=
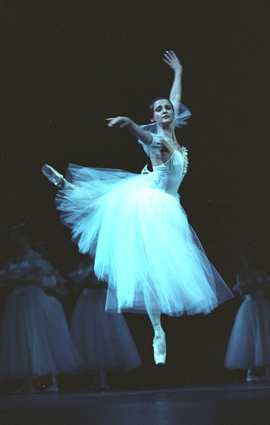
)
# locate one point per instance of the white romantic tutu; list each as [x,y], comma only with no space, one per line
[103,339]
[35,338]
[141,241]
[249,344]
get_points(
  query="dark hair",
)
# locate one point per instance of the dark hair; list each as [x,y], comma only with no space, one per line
[151,106]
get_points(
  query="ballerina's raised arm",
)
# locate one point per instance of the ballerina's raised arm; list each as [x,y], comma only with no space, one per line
[175,98]
[176,91]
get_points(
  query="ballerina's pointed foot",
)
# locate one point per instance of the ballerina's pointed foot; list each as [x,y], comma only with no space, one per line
[55,177]
[159,344]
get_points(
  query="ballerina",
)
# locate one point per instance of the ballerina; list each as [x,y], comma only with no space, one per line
[135,228]
[249,343]
[103,339]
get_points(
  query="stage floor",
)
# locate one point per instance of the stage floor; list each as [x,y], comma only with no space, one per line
[236,404]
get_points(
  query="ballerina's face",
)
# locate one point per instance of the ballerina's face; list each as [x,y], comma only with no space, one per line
[163,112]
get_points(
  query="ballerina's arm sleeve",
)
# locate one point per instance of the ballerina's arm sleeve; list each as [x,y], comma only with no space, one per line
[155,146]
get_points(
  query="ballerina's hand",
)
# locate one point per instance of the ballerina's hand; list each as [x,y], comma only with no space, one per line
[172,60]
[122,121]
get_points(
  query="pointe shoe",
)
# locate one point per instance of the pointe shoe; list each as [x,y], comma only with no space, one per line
[159,344]
[251,377]
[52,389]
[97,385]
[53,175]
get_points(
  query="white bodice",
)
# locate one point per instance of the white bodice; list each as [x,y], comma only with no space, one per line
[168,176]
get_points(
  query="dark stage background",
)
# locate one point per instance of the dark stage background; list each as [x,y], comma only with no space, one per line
[66,66]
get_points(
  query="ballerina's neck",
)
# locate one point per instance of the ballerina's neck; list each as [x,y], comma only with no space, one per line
[169,132]
[170,140]
[172,146]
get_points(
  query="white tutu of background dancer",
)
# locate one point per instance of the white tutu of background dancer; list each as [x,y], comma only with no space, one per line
[103,339]
[135,228]
[35,339]
[249,344]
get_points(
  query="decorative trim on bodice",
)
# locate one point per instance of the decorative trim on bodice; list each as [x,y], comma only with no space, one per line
[186,161]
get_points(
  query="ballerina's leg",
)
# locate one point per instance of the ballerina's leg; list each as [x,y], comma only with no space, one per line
[53,387]
[103,384]
[159,341]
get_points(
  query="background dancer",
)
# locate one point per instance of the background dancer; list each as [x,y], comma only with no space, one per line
[249,344]
[34,339]
[103,339]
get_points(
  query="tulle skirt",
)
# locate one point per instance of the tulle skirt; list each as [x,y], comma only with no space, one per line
[35,338]
[142,243]
[249,344]
[103,339]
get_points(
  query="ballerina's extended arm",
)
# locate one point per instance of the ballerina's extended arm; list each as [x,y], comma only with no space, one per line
[134,128]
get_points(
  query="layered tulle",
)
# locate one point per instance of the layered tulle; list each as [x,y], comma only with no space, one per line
[141,241]
[103,339]
[249,344]
[35,339]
